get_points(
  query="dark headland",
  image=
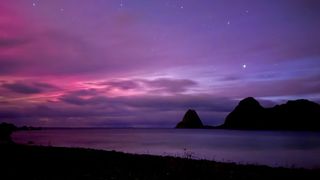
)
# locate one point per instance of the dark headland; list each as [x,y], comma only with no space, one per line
[297,115]
[6,130]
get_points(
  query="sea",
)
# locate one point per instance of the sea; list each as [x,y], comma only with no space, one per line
[272,148]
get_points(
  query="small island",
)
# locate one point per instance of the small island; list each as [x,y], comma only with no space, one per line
[190,120]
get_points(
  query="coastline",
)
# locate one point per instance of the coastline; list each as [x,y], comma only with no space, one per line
[42,162]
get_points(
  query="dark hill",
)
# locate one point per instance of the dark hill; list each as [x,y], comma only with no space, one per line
[294,115]
[245,115]
[6,130]
[190,120]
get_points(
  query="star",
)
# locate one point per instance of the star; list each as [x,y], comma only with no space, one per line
[247,11]
[228,22]
[244,66]
[181,7]
[34,4]
[121,4]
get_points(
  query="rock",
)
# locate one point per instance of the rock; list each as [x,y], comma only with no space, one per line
[246,115]
[190,120]
[294,115]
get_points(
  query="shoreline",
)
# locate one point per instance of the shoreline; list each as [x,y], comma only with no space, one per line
[43,162]
[187,155]
[243,147]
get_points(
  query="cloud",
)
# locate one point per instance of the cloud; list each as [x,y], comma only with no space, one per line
[43,85]
[177,102]
[170,85]
[159,85]
[22,88]
[28,88]
[273,86]
[92,107]
[13,42]
[9,65]
[122,84]
[84,92]
[144,102]
[78,100]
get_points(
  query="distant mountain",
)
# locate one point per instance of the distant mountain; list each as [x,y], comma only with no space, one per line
[190,120]
[294,115]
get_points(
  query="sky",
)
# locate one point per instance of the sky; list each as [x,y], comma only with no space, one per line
[143,63]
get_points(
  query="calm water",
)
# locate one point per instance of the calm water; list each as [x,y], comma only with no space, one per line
[298,149]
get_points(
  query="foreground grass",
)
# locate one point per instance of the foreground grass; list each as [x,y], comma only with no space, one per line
[36,162]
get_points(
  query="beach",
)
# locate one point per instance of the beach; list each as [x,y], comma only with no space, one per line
[44,162]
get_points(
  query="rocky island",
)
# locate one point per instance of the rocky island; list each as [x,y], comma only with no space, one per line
[190,120]
[297,115]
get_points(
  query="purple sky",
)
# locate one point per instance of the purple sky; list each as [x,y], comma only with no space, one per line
[143,63]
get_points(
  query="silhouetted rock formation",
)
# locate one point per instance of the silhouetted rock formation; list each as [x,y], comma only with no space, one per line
[5,132]
[190,120]
[247,115]
[294,115]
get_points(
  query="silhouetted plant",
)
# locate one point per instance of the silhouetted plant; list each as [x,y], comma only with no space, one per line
[188,154]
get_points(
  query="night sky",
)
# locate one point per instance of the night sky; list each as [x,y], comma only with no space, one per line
[143,63]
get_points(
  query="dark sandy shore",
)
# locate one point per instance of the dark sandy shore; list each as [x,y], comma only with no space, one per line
[35,162]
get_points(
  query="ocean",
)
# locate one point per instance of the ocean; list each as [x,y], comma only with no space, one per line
[272,148]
